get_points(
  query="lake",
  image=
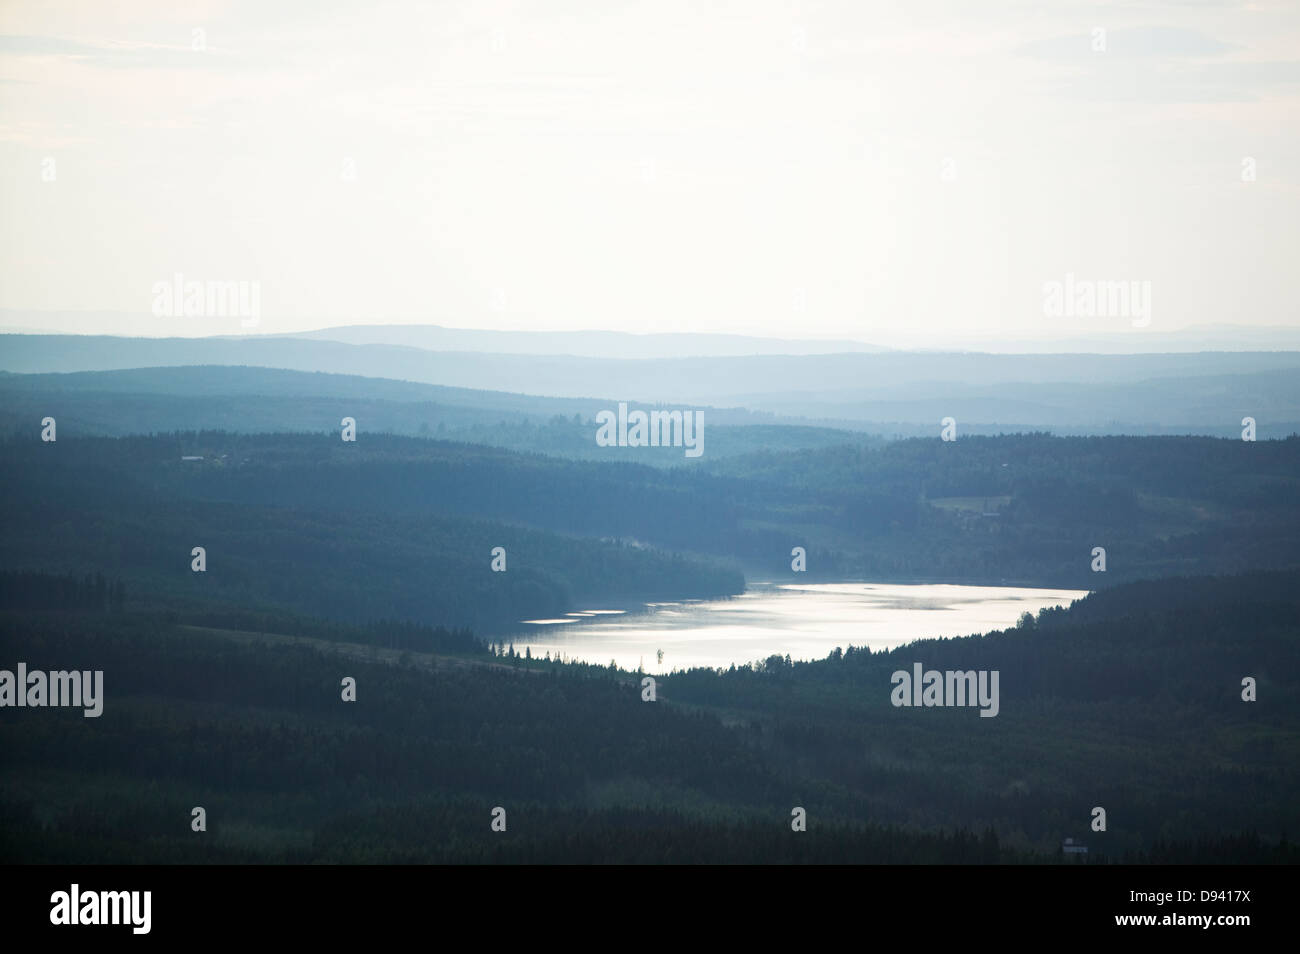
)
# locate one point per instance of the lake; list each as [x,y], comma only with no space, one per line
[804,621]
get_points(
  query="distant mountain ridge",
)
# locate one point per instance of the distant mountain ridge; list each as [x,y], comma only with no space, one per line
[698,379]
[435,337]
[582,344]
[886,393]
[597,343]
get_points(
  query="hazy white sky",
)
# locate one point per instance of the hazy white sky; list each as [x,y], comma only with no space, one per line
[873,171]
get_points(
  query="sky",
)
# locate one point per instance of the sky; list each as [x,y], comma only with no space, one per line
[895,172]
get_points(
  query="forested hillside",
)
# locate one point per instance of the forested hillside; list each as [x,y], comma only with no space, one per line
[1127,701]
[303,523]
[404,528]
[273,400]
[325,559]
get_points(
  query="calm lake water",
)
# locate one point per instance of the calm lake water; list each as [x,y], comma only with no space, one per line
[805,621]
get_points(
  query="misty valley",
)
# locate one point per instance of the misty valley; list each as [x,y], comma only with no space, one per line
[357,512]
[817,614]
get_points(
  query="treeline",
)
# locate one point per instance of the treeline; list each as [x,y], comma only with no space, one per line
[334,541]
[402,635]
[1030,507]
[1025,508]
[1135,697]
[34,590]
[81,414]
[1135,706]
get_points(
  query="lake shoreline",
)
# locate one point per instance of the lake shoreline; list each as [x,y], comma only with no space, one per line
[803,619]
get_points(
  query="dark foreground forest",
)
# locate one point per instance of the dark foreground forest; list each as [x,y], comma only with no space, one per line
[1131,701]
